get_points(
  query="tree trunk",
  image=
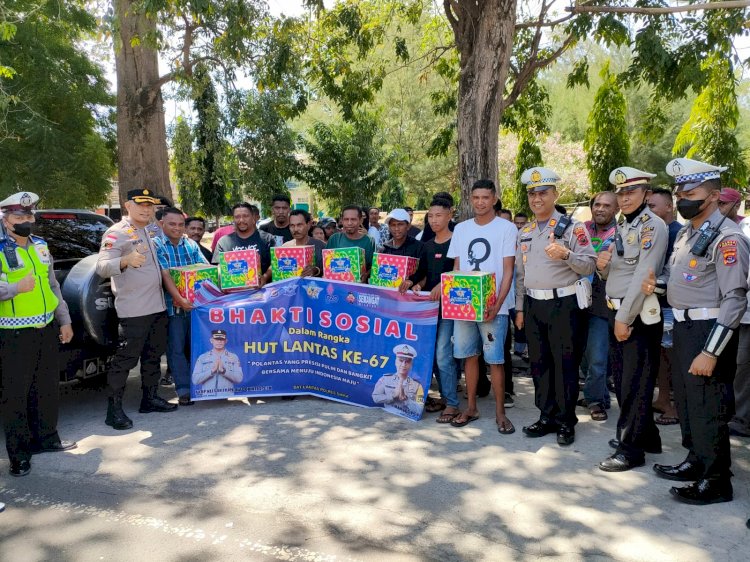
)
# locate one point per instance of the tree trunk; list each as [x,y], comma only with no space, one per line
[484,33]
[142,158]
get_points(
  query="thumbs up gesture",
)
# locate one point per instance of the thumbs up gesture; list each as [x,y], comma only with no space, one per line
[555,250]
[602,259]
[649,283]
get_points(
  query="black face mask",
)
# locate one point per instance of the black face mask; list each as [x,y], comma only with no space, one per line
[689,209]
[23,229]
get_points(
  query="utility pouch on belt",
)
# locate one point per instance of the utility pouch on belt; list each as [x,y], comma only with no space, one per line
[583,293]
[651,311]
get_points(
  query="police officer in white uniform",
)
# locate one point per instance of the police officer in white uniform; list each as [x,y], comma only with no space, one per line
[640,247]
[554,252]
[707,288]
[398,391]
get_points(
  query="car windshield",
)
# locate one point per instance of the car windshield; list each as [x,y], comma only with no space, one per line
[70,235]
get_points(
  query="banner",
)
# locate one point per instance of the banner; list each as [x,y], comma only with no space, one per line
[349,342]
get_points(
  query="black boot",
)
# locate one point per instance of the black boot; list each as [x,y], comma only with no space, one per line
[151,402]
[116,418]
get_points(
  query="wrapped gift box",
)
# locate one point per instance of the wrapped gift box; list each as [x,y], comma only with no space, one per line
[239,269]
[391,271]
[189,278]
[289,261]
[344,264]
[467,295]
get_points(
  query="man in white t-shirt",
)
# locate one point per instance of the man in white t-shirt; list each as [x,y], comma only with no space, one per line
[484,243]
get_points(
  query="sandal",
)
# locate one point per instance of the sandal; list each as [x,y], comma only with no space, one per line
[598,413]
[466,419]
[505,427]
[447,417]
[666,420]
[432,405]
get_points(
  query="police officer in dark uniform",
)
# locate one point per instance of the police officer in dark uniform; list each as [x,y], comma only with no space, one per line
[706,287]
[30,300]
[127,255]
[640,247]
[554,252]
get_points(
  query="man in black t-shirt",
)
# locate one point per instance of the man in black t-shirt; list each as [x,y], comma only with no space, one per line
[279,226]
[434,263]
[247,237]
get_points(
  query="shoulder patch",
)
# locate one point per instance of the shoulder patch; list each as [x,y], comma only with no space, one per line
[728,249]
[646,229]
[645,218]
[646,243]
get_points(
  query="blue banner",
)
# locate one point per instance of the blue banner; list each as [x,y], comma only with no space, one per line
[354,343]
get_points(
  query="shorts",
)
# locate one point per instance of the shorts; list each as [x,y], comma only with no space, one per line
[474,338]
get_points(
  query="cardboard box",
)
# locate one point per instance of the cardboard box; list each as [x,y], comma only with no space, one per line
[344,264]
[239,270]
[467,295]
[189,278]
[289,261]
[391,271]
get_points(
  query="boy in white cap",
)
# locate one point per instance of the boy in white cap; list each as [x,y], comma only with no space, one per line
[707,288]
[554,252]
[640,247]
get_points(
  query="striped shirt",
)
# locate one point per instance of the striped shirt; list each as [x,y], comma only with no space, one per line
[186,252]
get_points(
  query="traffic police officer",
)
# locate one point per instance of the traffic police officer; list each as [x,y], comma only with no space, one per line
[399,391]
[127,255]
[554,252]
[30,299]
[640,247]
[706,287]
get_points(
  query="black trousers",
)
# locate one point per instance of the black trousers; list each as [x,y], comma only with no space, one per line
[553,331]
[30,379]
[704,404]
[634,365]
[144,338]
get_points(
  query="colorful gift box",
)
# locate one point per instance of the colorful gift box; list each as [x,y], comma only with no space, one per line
[189,278]
[467,295]
[289,261]
[391,271]
[239,269]
[344,264]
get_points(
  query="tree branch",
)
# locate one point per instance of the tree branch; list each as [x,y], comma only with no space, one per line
[720,5]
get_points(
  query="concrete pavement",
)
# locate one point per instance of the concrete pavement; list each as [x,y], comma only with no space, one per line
[317,480]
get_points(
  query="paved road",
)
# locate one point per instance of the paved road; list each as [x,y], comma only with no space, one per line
[316,480]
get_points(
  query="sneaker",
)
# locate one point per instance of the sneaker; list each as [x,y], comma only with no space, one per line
[166,380]
[509,402]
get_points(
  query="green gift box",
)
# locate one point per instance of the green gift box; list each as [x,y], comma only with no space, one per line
[467,295]
[189,278]
[344,264]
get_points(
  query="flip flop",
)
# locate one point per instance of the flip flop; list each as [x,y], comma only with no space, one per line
[447,418]
[434,406]
[505,428]
[467,421]
[666,420]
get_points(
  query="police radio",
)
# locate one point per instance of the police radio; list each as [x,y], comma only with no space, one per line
[708,235]
[564,223]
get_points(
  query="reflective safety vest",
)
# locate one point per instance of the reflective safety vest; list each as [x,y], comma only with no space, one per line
[33,309]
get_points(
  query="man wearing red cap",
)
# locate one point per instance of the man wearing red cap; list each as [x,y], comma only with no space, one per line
[729,204]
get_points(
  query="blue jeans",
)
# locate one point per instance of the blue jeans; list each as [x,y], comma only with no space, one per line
[596,362]
[178,350]
[445,364]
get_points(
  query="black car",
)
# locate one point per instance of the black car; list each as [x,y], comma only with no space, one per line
[74,237]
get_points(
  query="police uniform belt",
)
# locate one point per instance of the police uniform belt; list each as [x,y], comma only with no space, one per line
[695,314]
[549,294]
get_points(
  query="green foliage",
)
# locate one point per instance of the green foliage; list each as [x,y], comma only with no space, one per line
[266,146]
[710,132]
[210,146]
[184,167]
[607,143]
[393,195]
[51,140]
[347,164]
